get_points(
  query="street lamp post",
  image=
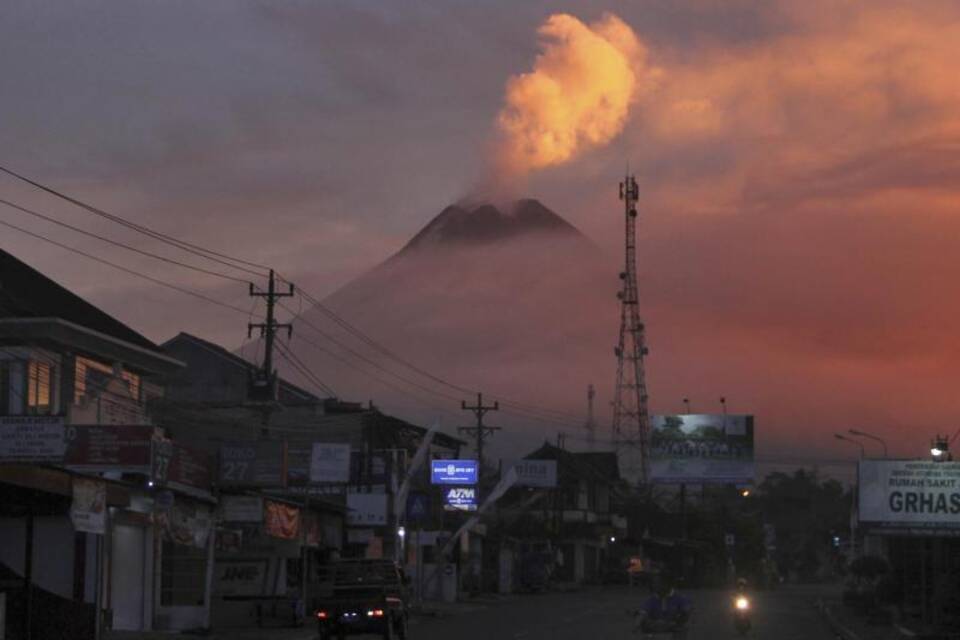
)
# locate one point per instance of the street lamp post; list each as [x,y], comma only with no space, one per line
[856,493]
[863,434]
[863,451]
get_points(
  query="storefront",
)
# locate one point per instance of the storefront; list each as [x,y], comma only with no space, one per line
[910,512]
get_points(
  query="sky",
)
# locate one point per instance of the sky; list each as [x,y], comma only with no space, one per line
[798,167]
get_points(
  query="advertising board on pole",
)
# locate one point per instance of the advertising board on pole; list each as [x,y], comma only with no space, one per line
[32,439]
[330,462]
[537,473]
[907,497]
[460,472]
[701,449]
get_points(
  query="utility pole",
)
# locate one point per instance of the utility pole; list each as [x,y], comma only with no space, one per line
[264,387]
[591,425]
[481,431]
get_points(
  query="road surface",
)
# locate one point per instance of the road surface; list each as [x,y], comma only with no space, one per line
[599,614]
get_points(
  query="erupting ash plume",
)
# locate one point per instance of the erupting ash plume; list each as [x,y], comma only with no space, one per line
[577,96]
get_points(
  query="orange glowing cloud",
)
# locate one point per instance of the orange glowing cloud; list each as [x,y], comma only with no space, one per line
[578,95]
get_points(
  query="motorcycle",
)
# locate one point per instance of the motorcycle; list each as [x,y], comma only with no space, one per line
[742,621]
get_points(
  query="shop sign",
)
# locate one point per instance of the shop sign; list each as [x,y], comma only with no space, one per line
[281,520]
[330,463]
[32,439]
[366,509]
[241,508]
[241,577]
[190,471]
[909,496]
[537,473]
[109,448]
[88,511]
[462,472]
[253,464]
[460,499]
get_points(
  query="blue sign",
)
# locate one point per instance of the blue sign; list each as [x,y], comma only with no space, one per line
[453,472]
[418,507]
[460,498]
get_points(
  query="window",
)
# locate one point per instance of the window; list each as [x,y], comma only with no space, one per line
[92,377]
[27,387]
[39,384]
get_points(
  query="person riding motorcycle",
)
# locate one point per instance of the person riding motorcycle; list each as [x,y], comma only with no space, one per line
[741,609]
[665,610]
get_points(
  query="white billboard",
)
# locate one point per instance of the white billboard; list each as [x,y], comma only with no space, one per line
[32,439]
[910,496]
[330,462]
[536,473]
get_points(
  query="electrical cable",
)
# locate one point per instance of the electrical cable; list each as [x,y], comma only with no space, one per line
[117,243]
[183,245]
[162,283]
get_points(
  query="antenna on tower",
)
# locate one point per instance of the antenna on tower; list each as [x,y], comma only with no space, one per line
[631,421]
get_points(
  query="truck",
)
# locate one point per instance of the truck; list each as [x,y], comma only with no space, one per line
[364,597]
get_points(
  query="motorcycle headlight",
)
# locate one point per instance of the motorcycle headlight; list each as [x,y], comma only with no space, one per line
[742,604]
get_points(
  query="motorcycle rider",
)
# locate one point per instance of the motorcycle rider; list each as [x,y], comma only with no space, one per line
[741,609]
[665,610]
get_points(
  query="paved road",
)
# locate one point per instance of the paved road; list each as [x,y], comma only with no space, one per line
[599,614]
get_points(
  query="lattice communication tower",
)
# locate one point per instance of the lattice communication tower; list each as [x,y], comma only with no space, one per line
[631,421]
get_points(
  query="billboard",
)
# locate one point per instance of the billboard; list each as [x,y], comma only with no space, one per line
[909,496]
[454,472]
[701,449]
[460,499]
[109,448]
[253,464]
[32,439]
[536,473]
[329,462]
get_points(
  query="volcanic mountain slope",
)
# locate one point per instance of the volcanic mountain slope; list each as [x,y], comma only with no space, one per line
[512,300]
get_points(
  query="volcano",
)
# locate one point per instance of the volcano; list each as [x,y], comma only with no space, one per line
[486,223]
[510,299]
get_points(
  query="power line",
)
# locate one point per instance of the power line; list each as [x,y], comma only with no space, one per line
[117,243]
[183,245]
[236,263]
[304,370]
[162,283]
[352,329]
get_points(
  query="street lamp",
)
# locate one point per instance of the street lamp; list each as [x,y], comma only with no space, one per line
[863,434]
[840,436]
[940,448]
